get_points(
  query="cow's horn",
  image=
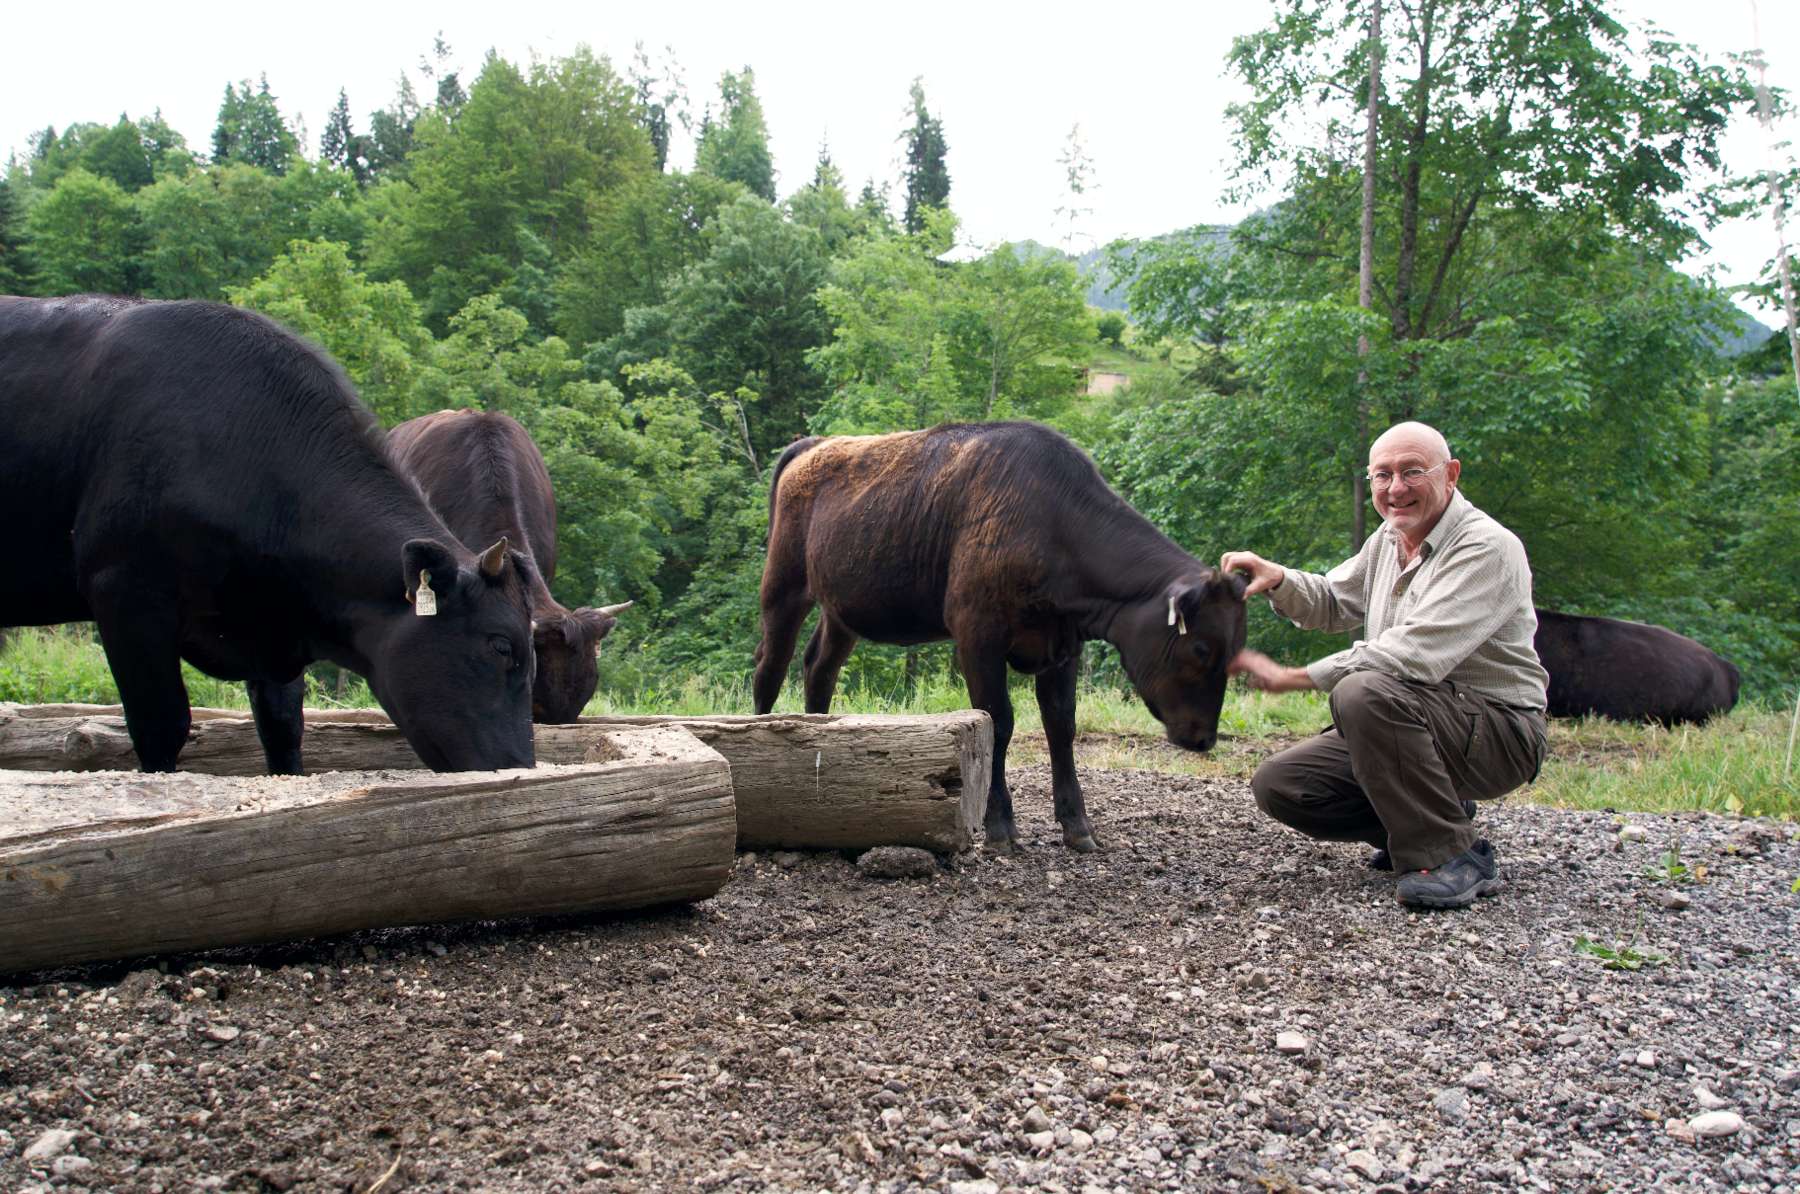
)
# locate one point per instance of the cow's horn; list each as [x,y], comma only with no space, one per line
[607,611]
[494,558]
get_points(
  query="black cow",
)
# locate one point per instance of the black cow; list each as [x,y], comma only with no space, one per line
[1631,671]
[205,486]
[487,480]
[1003,537]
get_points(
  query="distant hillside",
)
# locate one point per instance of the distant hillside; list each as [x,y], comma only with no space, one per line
[1746,336]
[1100,281]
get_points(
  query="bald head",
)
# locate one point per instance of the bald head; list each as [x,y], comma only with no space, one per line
[1412,439]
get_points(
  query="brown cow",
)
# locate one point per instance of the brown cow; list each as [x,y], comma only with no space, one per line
[487,480]
[1003,537]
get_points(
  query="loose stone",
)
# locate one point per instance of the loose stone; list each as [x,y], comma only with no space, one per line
[1717,1123]
[49,1146]
[1452,1104]
[897,862]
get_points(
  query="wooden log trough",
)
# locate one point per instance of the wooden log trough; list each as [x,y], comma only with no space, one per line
[802,781]
[113,864]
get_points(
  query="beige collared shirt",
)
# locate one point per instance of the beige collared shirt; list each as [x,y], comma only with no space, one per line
[1461,611]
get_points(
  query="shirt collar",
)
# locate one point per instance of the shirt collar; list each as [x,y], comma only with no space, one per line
[1453,515]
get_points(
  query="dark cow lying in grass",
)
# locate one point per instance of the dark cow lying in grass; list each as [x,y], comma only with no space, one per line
[1003,537]
[485,477]
[1631,671]
[205,486]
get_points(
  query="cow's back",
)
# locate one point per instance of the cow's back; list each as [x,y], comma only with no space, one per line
[180,438]
[890,524]
[1631,671]
[485,478]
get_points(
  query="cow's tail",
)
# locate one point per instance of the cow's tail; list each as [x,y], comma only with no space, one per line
[789,454]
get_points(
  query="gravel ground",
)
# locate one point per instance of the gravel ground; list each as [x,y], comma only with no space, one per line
[1070,1023]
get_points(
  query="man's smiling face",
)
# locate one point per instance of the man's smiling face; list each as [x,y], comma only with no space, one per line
[1413,510]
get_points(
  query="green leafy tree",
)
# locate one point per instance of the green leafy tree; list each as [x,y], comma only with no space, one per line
[1022,327]
[84,236]
[892,302]
[216,229]
[536,151]
[644,234]
[917,340]
[924,173]
[735,147]
[130,153]
[1536,176]
[823,206]
[746,316]
[371,328]
[251,129]
[119,153]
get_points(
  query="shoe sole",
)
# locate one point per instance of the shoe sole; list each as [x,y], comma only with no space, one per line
[1486,887]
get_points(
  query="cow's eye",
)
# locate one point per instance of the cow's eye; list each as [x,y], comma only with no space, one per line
[1202,651]
[502,646]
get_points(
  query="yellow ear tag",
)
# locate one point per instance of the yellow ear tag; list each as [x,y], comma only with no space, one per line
[425,601]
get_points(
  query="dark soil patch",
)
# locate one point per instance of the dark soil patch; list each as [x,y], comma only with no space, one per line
[1073,1023]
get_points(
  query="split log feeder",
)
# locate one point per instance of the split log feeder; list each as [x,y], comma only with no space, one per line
[803,781]
[106,865]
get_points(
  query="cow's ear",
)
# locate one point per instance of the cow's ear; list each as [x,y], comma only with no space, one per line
[1233,585]
[1184,601]
[434,560]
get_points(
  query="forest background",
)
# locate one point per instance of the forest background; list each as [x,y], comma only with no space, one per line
[521,241]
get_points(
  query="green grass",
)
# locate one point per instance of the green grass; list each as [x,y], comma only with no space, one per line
[67,665]
[1734,764]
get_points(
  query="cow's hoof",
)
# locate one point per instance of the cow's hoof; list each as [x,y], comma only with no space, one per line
[1005,847]
[1081,843]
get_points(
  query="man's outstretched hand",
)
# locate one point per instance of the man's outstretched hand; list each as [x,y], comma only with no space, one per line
[1267,675]
[1264,574]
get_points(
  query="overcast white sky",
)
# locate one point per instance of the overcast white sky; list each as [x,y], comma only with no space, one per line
[1145,82]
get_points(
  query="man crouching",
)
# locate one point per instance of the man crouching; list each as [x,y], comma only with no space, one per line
[1440,701]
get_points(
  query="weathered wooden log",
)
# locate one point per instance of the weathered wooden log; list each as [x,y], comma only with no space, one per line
[112,864]
[840,781]
[221,742]
[814,780]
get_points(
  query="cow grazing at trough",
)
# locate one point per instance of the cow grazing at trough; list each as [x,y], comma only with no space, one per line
[486,479]
[1631,671]
[204,485]
[1003,537]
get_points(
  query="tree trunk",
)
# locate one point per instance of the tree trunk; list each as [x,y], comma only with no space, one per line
[116,865]
[1365,284]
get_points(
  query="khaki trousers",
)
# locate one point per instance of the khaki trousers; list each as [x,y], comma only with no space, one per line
[1396,764]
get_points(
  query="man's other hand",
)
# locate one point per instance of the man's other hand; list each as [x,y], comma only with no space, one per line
[1264,574]
[1267,675]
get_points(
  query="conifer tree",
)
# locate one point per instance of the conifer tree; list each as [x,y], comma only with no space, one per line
[335,141]
[251,130]
[15,263]
[735,147]
[926,177]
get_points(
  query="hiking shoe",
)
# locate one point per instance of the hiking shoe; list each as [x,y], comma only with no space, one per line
[1381,860]
[1456,884]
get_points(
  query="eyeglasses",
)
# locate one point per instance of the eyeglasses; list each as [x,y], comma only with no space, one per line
[1382,479]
